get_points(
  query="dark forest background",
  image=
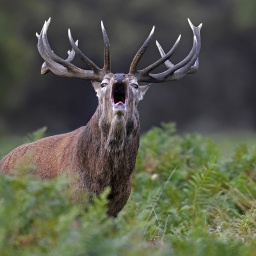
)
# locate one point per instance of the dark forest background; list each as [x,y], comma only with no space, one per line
[220,97]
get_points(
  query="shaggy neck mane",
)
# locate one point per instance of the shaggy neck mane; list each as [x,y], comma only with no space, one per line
[110,136]
[116,135]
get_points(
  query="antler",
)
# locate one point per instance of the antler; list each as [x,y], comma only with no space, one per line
[65,68]
[174,72]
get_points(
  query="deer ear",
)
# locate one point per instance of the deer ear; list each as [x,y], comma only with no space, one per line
[96,86]
[143,90]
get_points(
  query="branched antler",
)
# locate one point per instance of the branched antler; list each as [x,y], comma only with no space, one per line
[65,68]
[175,71]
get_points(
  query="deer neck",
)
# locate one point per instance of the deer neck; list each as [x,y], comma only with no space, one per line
[110,135]
[118,131]
[106,152]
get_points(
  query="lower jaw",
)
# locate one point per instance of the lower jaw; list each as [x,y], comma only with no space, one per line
[119,109]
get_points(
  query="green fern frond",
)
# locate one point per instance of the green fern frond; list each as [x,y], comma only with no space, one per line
[36,135]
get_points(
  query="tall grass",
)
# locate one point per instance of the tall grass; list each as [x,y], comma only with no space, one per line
[186,200]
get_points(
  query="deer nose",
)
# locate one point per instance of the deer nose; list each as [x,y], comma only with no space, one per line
[119,78]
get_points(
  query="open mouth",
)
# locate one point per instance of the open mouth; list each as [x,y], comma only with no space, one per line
[119,95]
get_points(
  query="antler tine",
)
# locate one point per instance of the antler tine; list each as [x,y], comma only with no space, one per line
[90,63]
[71,55]
[49,63]
[63,67]
[174,72]
[194,68]
[139,54]
[191,62]
[169,64]
[161,60]
[107,62]
[47,48]
[187,62]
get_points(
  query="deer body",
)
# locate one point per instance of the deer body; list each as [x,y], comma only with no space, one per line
[103,153]
[72,153]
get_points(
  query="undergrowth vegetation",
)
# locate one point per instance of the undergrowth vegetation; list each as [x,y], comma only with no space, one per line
[186,200]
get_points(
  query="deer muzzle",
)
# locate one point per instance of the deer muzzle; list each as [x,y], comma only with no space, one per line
[119,95]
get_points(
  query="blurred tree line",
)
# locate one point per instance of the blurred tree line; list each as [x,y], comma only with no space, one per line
[220,96]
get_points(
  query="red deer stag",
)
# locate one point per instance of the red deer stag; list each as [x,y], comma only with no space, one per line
[103,153]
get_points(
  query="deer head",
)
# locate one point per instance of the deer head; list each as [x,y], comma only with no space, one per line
[119,94]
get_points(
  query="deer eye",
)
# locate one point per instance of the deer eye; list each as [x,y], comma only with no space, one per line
[103,84]
[136,86]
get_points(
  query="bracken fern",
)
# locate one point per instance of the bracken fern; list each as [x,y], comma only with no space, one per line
[186,200]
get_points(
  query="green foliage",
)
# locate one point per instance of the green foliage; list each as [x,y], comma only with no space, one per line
[243,14]
[7,144]
[36,135]
[186,200]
